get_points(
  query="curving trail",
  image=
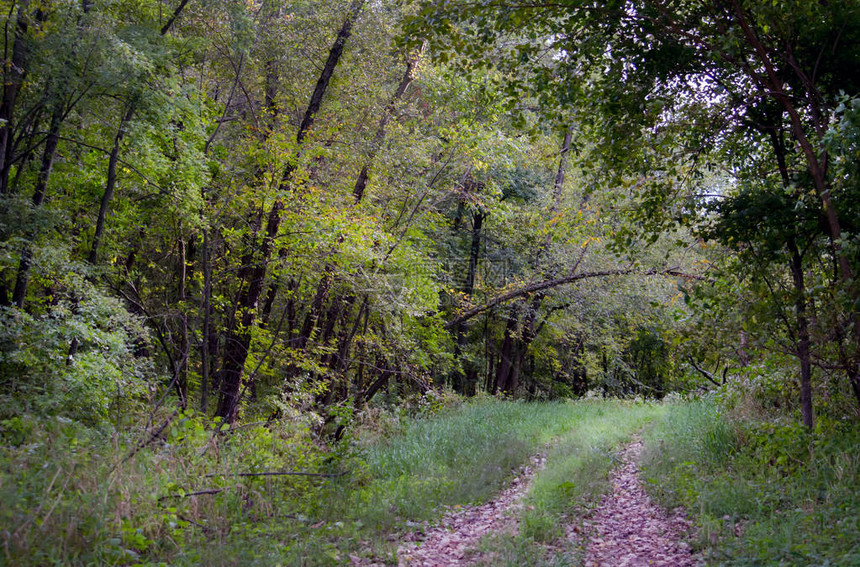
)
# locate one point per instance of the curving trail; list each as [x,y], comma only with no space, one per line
[628,530]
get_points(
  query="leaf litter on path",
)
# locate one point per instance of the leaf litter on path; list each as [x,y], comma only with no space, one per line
[628,530]
[452,541]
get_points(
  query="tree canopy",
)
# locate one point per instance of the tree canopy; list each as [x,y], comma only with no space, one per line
[257,208]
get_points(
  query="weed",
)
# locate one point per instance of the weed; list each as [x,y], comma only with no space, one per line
[763,493]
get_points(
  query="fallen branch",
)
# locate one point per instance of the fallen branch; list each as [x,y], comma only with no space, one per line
[198,493]
[205,528]
[286,473]
[548,284]
[154,435]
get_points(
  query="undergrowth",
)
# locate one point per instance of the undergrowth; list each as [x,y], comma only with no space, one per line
[763,493]
[72,495]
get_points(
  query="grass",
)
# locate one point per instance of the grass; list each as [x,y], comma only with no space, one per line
[575,476]
[68,497]
[463,456]
[763,493]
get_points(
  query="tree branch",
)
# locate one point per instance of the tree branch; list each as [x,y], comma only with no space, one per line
[549,284]
[172,19]
[285,473]
[711,378]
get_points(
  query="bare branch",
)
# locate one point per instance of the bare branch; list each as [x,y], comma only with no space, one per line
[711,378]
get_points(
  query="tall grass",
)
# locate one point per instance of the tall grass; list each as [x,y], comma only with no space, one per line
[763,493]
[71,495]
[68,496]
[461,457]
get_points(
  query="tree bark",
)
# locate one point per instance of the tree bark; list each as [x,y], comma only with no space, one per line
[206,309]
[361,182]
[182,358]
[111,182]
[556,282]
[173,17]
[803,341]
[460,378]
[507,354]
[13,78]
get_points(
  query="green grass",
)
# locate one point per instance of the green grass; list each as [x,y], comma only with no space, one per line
[575,476]
[763,493]
[67,497]
[462,456]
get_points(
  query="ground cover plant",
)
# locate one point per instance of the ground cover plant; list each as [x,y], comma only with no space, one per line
[763,493]
[180,500]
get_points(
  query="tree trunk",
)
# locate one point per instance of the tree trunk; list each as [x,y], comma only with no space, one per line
[517,355]
[182,358]
[114,155]
[562,169]
[48,155]
[312,317]
[361,182]
[506,354]
[474,252]
[802,335]
[206,309]
[743,353]
[111,182]
[459,379]
[13,78]
[169,24]
[236,352]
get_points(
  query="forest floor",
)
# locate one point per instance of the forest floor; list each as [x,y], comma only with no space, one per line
[626,530]
[487,483]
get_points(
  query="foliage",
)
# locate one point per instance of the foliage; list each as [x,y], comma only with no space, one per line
[74,357]
[238,236]
[762,492]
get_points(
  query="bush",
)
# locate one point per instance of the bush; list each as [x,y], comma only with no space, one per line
[71,357]
[763,492]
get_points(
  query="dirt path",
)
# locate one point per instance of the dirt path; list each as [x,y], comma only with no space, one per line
[449,542]
[627,530]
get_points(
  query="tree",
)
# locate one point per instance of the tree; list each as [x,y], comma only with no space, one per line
[685,75]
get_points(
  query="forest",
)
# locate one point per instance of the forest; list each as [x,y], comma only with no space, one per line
[282,281]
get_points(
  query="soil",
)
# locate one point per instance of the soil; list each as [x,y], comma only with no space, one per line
[453,540]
